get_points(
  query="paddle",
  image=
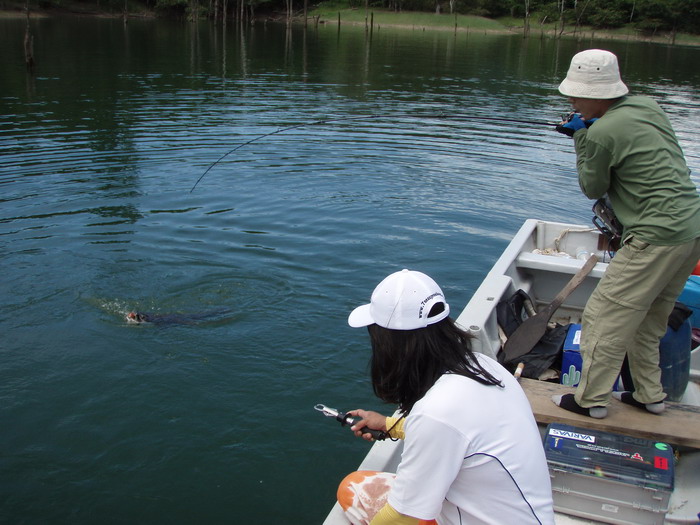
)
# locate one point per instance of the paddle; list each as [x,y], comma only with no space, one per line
[525,337]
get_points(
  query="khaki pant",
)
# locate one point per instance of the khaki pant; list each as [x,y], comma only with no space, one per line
[628,314]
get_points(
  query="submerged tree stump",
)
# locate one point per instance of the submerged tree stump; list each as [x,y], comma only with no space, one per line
[28,45]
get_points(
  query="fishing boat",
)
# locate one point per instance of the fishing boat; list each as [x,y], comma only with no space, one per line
[541,260]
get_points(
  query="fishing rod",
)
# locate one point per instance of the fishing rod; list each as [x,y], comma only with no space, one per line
[503,119]
[280,130]
[365,117]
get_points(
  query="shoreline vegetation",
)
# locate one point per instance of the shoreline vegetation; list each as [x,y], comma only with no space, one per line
[376,19]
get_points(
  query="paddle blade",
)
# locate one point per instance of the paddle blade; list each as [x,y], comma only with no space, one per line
[525,337]
[533,328]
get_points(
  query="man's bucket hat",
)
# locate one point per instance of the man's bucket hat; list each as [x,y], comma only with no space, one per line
[593,73]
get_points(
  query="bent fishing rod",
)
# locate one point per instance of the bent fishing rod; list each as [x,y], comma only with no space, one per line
[280,130]
[365,117]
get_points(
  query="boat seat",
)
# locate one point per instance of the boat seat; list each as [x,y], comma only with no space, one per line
[678,425]
[552,263]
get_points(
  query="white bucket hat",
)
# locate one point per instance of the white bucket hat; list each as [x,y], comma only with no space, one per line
[402,301]
[593,73]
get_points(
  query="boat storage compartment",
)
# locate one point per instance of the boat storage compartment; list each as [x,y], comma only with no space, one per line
[609,477]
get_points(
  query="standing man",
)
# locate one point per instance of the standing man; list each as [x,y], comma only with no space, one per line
[626,149]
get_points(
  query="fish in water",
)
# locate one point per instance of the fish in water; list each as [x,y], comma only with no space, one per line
[134,317]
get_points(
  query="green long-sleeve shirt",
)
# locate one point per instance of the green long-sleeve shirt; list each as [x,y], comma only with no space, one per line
[632,154]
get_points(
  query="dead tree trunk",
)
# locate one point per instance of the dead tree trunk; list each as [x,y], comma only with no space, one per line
[290,12]
[28,43]
[526,24]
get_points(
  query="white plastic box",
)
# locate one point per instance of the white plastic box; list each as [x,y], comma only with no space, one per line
[609,477]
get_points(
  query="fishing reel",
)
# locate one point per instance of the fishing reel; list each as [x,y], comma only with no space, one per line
[607,223]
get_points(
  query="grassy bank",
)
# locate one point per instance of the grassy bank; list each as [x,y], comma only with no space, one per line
[328,13]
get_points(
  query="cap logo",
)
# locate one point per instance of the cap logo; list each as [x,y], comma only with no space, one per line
[427,300]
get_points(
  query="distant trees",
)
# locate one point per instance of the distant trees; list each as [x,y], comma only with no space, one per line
[645,15]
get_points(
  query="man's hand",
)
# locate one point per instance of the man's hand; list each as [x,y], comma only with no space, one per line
[571,126]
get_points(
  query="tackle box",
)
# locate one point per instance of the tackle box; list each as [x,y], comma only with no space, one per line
[609,477]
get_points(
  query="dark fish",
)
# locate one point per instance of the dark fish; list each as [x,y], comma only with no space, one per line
[167,319]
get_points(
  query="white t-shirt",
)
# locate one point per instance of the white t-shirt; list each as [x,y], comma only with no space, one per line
[473,455]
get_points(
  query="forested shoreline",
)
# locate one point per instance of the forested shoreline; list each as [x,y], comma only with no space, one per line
[647,17]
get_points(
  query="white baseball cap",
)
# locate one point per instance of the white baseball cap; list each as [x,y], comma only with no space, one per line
[402,301]
[593,73]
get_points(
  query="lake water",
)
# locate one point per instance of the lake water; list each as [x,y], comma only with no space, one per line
[384,168]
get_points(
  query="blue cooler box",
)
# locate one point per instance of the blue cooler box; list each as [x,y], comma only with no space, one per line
[609,477]
[571,361]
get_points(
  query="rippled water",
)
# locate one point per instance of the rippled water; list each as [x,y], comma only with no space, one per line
[340,159]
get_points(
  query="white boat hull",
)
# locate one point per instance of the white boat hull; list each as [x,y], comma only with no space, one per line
[523,266]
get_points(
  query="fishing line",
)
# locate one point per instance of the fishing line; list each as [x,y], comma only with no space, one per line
[280,130]
[501,119]
[325,121]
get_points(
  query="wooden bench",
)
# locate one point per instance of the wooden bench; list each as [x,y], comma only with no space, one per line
[678,425]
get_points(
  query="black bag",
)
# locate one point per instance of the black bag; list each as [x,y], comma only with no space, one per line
[511,312]
[678,316]
[547,353]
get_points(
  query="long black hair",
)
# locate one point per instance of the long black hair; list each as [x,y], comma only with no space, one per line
[406,363]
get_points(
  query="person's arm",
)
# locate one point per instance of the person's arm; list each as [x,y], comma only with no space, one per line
[394,427]
[431,460]
[594,165]
[388,515]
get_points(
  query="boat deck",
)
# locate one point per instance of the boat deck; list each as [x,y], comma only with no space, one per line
[678,425]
